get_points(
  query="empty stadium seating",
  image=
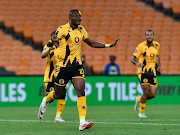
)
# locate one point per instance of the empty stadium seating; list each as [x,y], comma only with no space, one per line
[129,19]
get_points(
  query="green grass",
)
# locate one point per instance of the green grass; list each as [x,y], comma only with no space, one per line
[108,120]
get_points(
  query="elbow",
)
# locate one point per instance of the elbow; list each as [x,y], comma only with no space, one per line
[42,56]
[132,60]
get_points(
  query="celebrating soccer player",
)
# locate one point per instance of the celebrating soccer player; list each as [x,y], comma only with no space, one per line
[69,65]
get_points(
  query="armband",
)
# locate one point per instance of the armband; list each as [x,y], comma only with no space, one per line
[107,45]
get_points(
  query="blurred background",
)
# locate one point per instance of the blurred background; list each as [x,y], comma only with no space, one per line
[25,27]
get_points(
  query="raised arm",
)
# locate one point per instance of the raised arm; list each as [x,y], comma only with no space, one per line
[96,44]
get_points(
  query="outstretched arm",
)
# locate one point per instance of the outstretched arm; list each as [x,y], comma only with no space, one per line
[96,44]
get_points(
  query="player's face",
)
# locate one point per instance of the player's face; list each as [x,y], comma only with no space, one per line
[75,18]
[149,36]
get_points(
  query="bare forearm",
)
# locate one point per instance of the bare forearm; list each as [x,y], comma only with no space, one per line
[93,43]
[158,61]
[134,60]
[96,44]
[44,54]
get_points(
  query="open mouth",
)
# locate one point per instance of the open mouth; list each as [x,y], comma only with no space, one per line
[78,21]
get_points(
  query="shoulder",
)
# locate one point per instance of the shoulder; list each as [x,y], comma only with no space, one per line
[142,44]
[62,26]
[81,27]
[117,65]
[156,43]
[108,65]
[45,48]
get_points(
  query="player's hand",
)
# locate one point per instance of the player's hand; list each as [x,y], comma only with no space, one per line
[51,48]
[83,59]
[54,37]
[139,65]
[113,44]
[159,69]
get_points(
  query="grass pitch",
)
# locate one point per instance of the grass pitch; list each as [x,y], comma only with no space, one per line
[108,120]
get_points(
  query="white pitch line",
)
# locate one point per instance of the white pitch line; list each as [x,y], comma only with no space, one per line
[155,124]
[158,124]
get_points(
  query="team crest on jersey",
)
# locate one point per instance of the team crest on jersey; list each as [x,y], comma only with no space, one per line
[61,81]
[152,55]
[44,49]
[76,39]
[145,80]
[51,89]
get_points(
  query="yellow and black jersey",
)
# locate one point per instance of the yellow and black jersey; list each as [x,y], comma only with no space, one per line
[147,56]
[69,51]
[51,60]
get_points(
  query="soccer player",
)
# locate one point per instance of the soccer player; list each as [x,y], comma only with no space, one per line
[148,53]
[49,52]
[69,65]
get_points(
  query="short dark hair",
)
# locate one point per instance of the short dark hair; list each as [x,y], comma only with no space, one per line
[112,57]
[70,13]
[149,30]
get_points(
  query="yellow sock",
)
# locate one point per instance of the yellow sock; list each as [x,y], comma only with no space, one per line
[81,105]
[50,97]
[139,99]
[60,106]
[142,107]
[82,117]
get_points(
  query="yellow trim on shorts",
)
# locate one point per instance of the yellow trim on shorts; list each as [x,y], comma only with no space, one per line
[60,84]
[145,83]
[79,77]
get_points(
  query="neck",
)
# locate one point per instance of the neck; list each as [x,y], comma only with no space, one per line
[150,44]
[73,26]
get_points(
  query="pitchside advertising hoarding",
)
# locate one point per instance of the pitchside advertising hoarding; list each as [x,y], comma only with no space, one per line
[100,90]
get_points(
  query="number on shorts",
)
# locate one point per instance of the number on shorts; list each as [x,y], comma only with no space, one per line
[81,71]
[155,80]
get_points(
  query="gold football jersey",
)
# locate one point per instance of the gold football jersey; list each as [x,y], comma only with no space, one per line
[69,51]
[147,56]
[51,60]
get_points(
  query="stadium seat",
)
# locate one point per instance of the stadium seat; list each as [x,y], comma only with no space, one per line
[176,9]
[130,21]
[23,70]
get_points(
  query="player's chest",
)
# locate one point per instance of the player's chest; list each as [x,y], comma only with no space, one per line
[150,52]
[74,37]
[52,55]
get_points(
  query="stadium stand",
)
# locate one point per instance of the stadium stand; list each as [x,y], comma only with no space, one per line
[30,23]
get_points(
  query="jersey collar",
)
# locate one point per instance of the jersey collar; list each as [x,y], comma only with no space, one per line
[150,45]
[71,27]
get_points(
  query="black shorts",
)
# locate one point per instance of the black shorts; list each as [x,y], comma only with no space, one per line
[146,79]
[49,86]
[64,74]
